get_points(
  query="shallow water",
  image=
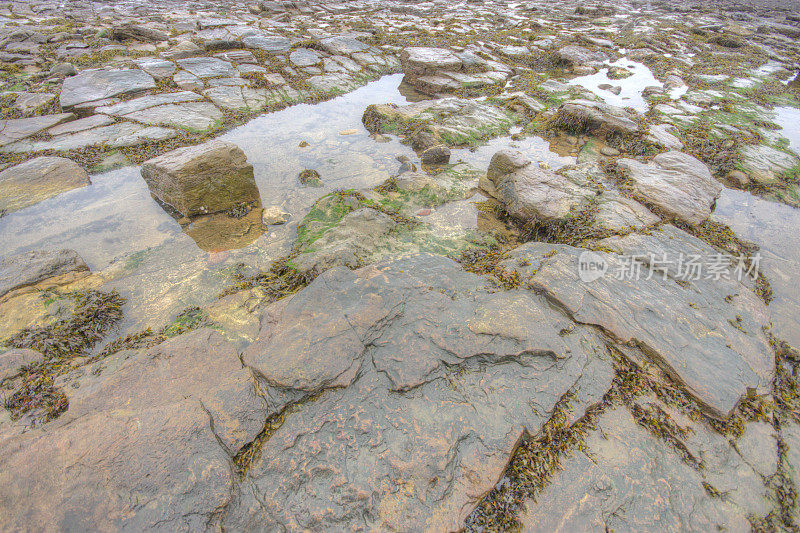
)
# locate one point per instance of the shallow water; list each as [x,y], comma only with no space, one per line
[788,118]
[772,227]
[632,86]
[117,227]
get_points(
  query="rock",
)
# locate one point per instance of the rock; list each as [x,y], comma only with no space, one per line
[765,164]
[12,360]
[304,57]
[207,67]
[39,179]
[583,116]
[676,183]
[29,103]
[192,116]
[97,84]
[62,70]
[440,420]
[29,268]
[171,446]
[706,333]
[626,479]
[454,121]
[274,216]
[113,136]
[529,192]
[342,45]
[416,182]
[574,56]
[661,135]
[419,61]
[272,44]
[181,50]
[137,32]
[435,155]
[15,129]
[621,215]
[738,178]
[122,109]
[348,244]
[206,178]
[160,70]
[310,177]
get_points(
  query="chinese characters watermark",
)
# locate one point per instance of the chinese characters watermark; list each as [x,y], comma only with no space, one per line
[685,267]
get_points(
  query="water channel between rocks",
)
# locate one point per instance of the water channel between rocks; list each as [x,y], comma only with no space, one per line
[118,228]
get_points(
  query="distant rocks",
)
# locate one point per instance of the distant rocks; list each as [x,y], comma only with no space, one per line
[202,179]
[576,56]
[438,70]
[38,179]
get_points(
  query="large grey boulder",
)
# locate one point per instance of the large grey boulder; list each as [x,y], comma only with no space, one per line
[207,178]
[147,442]
[676,183]
[530,193]
[98,84]
[706,333]
[421,378]
[39,179]
[29,268]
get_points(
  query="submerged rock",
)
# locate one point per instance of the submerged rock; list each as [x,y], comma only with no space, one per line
[39,179]
[676,183]
[30,268]
[202,179]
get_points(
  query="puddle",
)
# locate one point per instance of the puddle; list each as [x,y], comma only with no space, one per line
[162,268]
[631,87]
[788,118]
[770,225]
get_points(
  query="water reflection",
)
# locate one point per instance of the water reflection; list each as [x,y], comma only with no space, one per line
[631,87]
[771,226]
[788,118]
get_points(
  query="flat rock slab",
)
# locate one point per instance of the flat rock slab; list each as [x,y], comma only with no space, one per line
[159,69]
[707,334]
[765,164]
[169,418]
[39,179]
[268,43]
[676,183]
[12,360]
[90,85]
[114,135]
[417,60]
[304,57]
[422,379]
[30,268]
[207,67]
[138,104]
[202,179]
[342,45]
[625,479]
[15,129]
[193,116]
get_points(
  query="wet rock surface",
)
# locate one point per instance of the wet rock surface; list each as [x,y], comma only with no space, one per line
[493,288]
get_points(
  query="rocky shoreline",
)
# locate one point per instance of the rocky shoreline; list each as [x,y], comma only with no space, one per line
[498,296]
